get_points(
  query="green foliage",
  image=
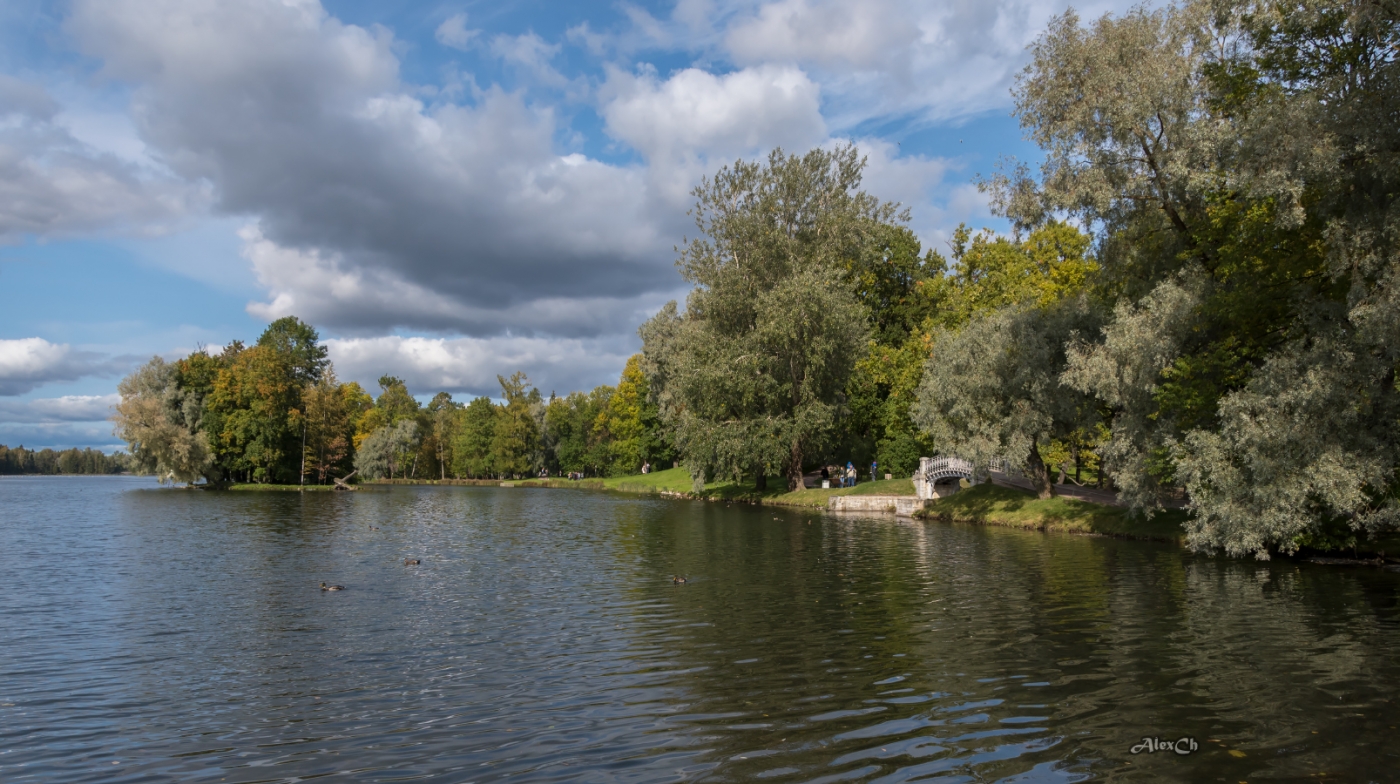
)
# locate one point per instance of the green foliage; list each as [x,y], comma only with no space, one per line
[893,282]
[300,346]
[254,403]
[385,453]
[515,441]
[471,445]
[749,379]
[1240,163]
[161,424]
[880,393]
[328,432]
[992,391]
[990,272]
[443,417]
[629,424]
[570,430]
[18,460]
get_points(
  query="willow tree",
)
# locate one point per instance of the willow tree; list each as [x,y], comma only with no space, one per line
[750,376]
[160,424]
[992,391]
[1240,163]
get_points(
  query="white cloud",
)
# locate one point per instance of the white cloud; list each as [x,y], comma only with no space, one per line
[453,32]
[695,120]
[696,112]
[55,183]
[914,181]
[61,435]
[531,54]
[470,365]
[301,121]
[933,62]
[28,363]
[864,35]
[69,408]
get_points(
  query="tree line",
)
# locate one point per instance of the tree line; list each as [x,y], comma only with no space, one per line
[19,460]
[275,412]
[1199,297]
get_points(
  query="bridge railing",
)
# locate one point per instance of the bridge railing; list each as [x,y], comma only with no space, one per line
[933,470]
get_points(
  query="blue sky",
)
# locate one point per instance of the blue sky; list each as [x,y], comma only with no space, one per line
[448,191]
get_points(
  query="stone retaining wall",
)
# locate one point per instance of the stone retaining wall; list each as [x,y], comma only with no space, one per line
[902,505]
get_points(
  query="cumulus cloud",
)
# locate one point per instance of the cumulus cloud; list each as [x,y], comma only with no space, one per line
[52,183]
[696,112]
[302,121]
[693,119]
[453,32]
[320,288]
[470,365]
[28,363]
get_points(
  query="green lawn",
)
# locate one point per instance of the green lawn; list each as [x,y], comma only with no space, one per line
[996,505]
[677,480]
[292,488]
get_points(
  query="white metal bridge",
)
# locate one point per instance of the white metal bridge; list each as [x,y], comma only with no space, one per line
[933,470]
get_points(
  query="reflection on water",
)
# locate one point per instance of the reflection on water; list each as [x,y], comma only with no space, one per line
[159,635]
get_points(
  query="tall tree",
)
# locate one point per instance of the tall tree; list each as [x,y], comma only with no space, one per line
[442,417]
[749,378]
[329,431]
[300,344]
[256,397]
[162,430]
[629,423]
[383,454]
[992,390]
[476,429]
[515,439]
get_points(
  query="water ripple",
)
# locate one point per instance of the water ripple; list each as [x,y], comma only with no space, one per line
[166,635]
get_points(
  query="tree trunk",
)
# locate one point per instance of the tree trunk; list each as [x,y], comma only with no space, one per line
[1038,473]
[760,483]
[794,472]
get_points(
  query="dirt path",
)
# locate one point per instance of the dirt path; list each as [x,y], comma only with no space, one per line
[1090,494]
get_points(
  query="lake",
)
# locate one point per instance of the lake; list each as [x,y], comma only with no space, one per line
[168,635]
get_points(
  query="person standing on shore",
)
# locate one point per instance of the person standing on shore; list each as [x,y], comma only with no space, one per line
[874,467]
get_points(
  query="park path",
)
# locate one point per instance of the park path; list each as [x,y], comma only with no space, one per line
[1091,494]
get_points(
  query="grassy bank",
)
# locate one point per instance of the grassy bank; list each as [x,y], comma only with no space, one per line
[984,504]
[282,488]
[677,481]
[996,505]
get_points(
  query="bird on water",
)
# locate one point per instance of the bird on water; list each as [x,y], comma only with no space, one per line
[677,579]
[411,562]
[325,587]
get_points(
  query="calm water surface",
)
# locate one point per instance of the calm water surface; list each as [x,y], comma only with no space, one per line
[168,635]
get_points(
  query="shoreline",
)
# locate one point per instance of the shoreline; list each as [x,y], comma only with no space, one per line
[988,504]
